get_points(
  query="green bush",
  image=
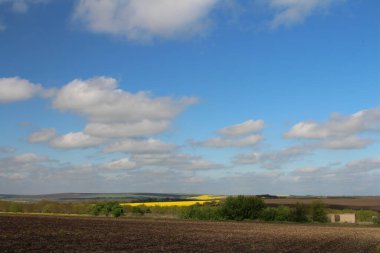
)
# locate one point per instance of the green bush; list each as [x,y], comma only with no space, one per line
[107,208]
[298,213]
[199,212]
[283,213]
[139,210]
[318,211]
[280,213]
[365,215]
[376,219]
[268,214]
[242,207]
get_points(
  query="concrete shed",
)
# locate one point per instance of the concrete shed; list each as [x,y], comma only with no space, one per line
[341,218]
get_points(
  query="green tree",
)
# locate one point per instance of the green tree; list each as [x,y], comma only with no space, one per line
[298,213]
[242,207]
[318,211]
[282,213]
[107,208]
[268,214]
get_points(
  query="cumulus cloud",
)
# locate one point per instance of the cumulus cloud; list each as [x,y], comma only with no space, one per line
[349,142]
[144,19]
[42,135]
[236,136]
[28,158]
[75,140]
[127,129]
[363,165]
[100,100]
[292,12]
[140,146]
[16,89]
[247,127]
[124,163]
[115,113]
[275,159]
[221,142]
[339,132]
[175,161]
[20,166]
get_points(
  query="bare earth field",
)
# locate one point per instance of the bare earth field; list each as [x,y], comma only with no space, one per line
[371,203]
[78,234]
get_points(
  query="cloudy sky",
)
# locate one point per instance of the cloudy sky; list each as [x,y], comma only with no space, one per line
[192,96]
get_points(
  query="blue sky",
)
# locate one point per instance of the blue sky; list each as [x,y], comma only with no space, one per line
[195,96]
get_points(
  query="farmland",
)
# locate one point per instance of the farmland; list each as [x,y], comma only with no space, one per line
[370,203]
[57,234]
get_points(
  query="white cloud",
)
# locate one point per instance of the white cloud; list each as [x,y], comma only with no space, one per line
[175,161]
[363,165]
[219,142]
[236,136]
[140,146]
[127,129]
[339,132]
[124,163]
[99,100]
[247,127]
[112,113]
[275,159]
[28,158]
[145,19]
[292,12]
[350,142]
[16,89]
[75,140]
[42,135]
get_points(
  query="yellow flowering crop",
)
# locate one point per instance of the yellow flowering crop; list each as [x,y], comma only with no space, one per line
[166,203]
[207,197]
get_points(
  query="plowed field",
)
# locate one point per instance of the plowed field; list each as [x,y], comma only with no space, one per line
[78,234]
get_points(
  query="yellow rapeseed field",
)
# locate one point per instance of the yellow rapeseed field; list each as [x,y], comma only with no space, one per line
[201,199]
[166,203]
[207,197]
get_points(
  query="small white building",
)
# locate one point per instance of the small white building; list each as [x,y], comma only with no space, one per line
[341,218]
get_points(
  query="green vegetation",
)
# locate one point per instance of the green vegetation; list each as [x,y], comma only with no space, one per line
[280,213]
[107,208]
[299,213]
[318,211]
[199,212]
[376,219]
[242,207]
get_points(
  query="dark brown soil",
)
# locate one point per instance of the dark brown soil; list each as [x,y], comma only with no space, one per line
[76,234]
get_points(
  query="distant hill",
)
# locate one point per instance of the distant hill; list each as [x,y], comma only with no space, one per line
[130,197]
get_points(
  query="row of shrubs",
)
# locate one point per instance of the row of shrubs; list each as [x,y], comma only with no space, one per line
[254,208]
